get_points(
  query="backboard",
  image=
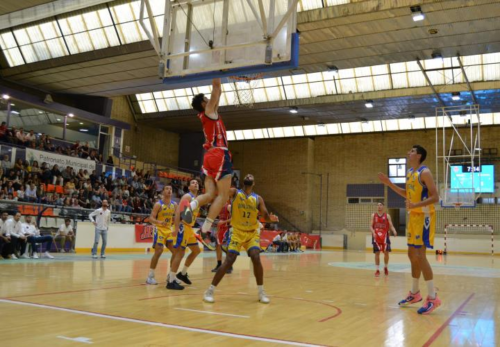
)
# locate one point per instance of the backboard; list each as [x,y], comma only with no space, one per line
[203,39]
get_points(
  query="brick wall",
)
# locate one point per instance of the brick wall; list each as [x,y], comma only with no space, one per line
[149,144]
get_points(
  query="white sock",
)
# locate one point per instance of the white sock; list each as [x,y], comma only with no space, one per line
[260,288]
[152,273]
[212,287]
[171,276]
[184,270]
[207,225]
[194,204]
[377,266]
[430,289]
[414,286]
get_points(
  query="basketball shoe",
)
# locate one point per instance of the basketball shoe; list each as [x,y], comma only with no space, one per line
[430,305]
[411,299]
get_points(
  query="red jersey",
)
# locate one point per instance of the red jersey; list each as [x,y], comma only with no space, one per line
[380,224]
[224,213]
[214,130]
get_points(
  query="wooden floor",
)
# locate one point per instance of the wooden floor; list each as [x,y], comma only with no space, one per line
[317,298]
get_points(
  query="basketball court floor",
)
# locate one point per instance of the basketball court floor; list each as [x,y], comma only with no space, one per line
[327,298]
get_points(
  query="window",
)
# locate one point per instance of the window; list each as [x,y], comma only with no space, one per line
[397,170]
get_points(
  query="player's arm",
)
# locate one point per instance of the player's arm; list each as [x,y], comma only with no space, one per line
[391,226]
[428,181]
[213,103]
[371,224]
[264,213]
[177,218]
[385,180]
[154,214]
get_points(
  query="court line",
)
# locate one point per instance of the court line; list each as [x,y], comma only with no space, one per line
[448,321]
[210,312]
[74,291]
[163,325]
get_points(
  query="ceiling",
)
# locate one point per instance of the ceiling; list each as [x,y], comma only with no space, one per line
[8,6]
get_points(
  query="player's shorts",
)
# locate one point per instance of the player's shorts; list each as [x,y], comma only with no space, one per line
[222,234]
[421,229]
[185,237]
[382,246]
[217,163]
[161,236]
[243,239]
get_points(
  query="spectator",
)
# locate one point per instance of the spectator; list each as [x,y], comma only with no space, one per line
[31,232]
[85,151]
[35,169]
[101,222]
[3,132]
[30,138]
[277,242]
[70,187]
[5,241]
[76,146]
[110,160]
[13,229]
[31,195]
[20,137]
[6,164]
[11,134]
[66,233]
[21,195]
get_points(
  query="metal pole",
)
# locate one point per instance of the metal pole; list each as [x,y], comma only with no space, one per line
[320,201]
[64,129]
[8,113]
[327,189]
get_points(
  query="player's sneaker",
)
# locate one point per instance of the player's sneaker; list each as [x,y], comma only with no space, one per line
[25,256]
[209,296]
[429,305]
[411,299]
[151,280]
[35,255]
[377,273]
[230,270]
[13,256]
[174,286]
[263,298]
[186,212]
[216,268]
[386,271]
[47,255]
[184,278]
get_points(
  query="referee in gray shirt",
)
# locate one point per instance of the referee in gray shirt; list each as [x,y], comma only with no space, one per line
[101,221]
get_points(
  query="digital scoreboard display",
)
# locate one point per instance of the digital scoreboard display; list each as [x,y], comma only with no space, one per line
[463,176]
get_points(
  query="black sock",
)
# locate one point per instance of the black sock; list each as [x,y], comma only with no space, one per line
[219,262]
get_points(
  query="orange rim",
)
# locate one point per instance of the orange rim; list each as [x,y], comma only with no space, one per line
[247,78]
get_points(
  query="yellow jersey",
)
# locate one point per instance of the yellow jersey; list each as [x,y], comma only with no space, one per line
[245,211]
[196,212]
[166,214]
[416,191]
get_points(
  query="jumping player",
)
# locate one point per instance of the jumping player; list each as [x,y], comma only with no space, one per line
[379,226]
[222,230]
[162,217]
[420,194]
[245,223]
[185,237]
[217,166]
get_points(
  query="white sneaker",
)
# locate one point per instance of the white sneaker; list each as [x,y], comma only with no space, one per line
[62,250]
[209,296]
[25,256]
[103,256]
[151,280]
[47,255]
[35,255]
[263,298]
[178,281]
[72,251]
[13,256]
[94,256]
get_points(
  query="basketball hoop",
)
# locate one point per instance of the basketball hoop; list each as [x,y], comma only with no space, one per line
[457,205]
[243,87]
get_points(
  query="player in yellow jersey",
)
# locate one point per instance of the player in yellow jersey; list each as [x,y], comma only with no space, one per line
[162,217]
[421,195]
[245,210]
[184,237]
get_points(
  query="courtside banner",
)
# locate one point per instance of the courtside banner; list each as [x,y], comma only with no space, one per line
[61,160]
[144,233]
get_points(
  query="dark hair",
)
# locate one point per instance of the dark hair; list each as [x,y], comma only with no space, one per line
[197,100]
[421,150]
[67,220]
[380,202]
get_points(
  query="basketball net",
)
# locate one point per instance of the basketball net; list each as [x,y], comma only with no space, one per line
[243,87]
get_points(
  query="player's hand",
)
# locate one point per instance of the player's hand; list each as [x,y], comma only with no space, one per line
[174,233]
[409,205]
[395,234]
[273,218]
[383,178]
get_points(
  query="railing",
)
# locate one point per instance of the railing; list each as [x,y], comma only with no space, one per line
[284,223]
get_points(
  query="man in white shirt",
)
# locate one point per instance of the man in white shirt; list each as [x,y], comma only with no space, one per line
[277,242]
[13,230]
[30,193]
[101,222]
[65,233]
[32,233]
[5,241]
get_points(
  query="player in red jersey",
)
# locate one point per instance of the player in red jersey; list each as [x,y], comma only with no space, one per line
[379,226]
[222,230]
[217,166]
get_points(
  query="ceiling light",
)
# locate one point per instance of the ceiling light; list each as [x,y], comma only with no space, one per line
[81,123]
[71,115]
[417,13]
[333,69]
[15,112]
[5,97]
[321,124]
[40,112]
[437,55]
[12,104]
[58,119]
[369,103]
[294,109]
[84,130]
[39,134]
[455,96]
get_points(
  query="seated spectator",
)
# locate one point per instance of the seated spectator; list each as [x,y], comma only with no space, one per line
[21,195]
[13,229]
[31,232]
[66,233]
[18,165]
[80,175]
[110,160]
[6,248]
[6,164]
[93,177]
[85,151]
[30,138]
[93,156]
[31,195]
[58,200]
[11,134]
[35,169]
[70,187]
[277,242]
[21,137]
[3,132]
[66,173]
[86,175]
[76,146]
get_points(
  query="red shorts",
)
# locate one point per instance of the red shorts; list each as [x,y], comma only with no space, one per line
[221,234]
[217,163]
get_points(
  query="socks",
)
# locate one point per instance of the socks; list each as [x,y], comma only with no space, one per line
[430,289]
[207,225]
[171,276]
[260,288]
[414,286]
[184,270]
[151,273]
[194,204]
[212,287]
[219,262]
[377,267]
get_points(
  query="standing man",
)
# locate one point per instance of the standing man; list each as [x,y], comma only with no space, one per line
[245,222]
[421,195]
[101,222]
[33,234]
[162,217]
[217,166]
[65,232]
[379,226]
[222,230]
